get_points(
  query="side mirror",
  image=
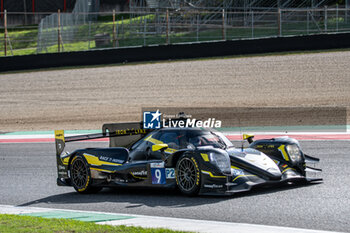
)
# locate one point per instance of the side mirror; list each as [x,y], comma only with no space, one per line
[248,137]
[160,147]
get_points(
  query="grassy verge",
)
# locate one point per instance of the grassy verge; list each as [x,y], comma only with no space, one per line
[15,223]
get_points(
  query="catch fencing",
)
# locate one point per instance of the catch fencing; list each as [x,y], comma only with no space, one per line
[128,29]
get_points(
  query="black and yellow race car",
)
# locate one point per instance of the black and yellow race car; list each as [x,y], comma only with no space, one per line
[194,160]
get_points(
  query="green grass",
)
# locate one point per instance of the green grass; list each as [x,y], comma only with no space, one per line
[21,38]
[19,52]
[26,40]
[15,223]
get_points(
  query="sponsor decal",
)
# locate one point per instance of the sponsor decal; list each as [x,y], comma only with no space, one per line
[130,131]
[109,159]
[60,167]
[104,158]
[170,173]
[139,173]
[213,186]
[119,180]
[151,120]
[157,165]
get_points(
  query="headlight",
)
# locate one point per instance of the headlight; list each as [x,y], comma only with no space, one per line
[222,161]
[294,152]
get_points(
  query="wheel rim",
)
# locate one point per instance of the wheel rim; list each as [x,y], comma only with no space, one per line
[79,173]
[187,174]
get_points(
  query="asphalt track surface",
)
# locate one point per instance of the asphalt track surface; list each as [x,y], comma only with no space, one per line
[28,178]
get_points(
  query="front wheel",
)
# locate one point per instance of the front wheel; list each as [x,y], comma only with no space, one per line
[188,175]
[81,177]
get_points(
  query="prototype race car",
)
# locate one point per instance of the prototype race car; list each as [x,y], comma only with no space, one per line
[196,160]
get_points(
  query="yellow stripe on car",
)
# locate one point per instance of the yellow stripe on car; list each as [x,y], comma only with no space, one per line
[155,141]
[93,160]
[211,174]
[138,177]
[205,157]
[282,148]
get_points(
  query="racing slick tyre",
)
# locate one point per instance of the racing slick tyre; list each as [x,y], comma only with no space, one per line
[188,175]
[81,176]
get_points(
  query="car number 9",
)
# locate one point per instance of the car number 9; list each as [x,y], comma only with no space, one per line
[158,176]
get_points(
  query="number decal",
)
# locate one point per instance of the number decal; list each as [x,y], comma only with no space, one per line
[170,173]
[158,175]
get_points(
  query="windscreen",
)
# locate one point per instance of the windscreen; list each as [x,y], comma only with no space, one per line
[208,138]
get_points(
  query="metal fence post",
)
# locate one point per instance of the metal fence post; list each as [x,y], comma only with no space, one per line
[223,25]
[308,21]
[337,17]
[5,33]
[59,31]
[123,26]
[114,29]
[116,36]
[346,10]
[279,22]
[197,27]
[144,31]
[325,18]
[252,12]
[131,24]
[89,35]
[25,12]
[167,26]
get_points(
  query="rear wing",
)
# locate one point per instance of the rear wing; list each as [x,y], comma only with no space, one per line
[119,134]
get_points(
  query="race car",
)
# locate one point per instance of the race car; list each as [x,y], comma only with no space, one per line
[194,160]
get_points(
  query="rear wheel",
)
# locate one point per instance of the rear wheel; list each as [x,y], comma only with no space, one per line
[81,176]
[188,175]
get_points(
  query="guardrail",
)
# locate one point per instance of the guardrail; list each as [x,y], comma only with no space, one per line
[176,51]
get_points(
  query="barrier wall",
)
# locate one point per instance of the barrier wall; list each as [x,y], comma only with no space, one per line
[177,51]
